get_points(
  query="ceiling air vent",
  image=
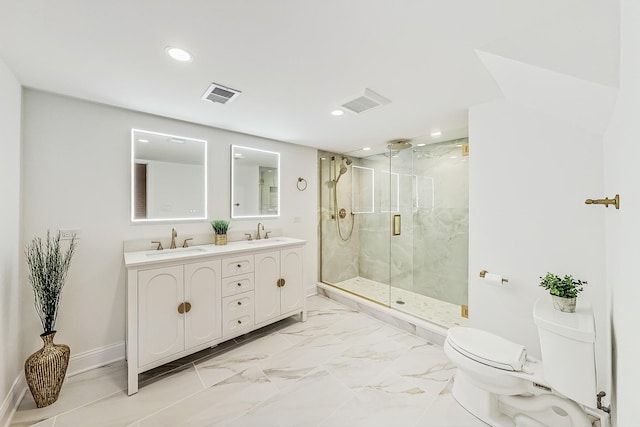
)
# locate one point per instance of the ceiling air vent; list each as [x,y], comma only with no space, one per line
[368,101]
[220,94]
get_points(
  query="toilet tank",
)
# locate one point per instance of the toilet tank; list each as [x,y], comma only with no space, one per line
[567,344]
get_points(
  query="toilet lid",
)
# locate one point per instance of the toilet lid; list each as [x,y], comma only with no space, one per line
[487,348]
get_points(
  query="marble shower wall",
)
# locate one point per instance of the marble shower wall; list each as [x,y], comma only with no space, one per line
[339,258]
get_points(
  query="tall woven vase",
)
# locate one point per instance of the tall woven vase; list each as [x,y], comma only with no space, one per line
[45,370]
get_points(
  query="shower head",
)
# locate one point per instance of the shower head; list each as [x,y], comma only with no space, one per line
[343,170]
[399,144]
[347,160]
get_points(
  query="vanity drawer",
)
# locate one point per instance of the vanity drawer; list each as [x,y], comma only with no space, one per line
[237,265]
[237,284]
[237,312]
[237,305]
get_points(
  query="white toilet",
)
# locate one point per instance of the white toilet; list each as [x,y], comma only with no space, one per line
[500,384]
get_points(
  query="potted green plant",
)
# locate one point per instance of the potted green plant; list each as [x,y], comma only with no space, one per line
[564,291]
[220,227]
[48,265]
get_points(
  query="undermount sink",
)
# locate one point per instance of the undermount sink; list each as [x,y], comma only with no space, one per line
[177,251]
[263,241]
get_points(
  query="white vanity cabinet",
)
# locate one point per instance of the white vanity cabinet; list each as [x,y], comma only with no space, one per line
[181,301]
[278,287]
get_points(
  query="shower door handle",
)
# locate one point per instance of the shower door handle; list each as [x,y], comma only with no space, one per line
[396,225]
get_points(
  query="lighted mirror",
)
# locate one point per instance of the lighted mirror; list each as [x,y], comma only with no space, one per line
[255,183]
[168,177]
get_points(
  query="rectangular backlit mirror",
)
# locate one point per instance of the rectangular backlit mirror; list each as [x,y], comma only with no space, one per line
[255,182]
[168,177]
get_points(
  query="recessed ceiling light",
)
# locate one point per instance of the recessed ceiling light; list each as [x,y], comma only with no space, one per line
[436,133]
[366,148]
[421,145]
[337,112]
[179,54]
[143,140]
[453,157]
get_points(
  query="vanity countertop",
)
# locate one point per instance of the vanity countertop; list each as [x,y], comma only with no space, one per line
[133,259]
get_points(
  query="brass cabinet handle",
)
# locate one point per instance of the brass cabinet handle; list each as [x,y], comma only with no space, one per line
[239,322]
[280,283]
[184,307]
[239,266]
[239,284]
[239,303]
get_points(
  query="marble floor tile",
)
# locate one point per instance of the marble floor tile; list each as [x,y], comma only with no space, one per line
[310,399]
[218,404]
[340,368]
[223,366]
[390,402]
[119,409]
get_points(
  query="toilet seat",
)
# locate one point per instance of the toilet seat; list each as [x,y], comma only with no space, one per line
[487,348]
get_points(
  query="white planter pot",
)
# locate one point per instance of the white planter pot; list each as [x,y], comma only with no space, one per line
[567,305]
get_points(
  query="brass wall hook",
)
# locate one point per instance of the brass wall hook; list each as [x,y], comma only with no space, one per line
[606,202]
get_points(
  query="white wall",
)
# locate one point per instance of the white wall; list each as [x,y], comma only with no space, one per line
[622,176]
[10,247]
[76,175]
[529,177]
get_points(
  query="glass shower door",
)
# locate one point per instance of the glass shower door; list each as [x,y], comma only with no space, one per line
[401,183]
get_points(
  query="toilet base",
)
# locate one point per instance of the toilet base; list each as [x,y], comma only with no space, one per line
[545,409]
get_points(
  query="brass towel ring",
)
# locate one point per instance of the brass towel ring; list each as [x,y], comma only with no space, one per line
[301,184]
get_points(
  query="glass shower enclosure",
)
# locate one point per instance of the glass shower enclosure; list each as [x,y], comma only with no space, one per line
[394,227]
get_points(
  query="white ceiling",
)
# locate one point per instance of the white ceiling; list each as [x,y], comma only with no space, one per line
[294,60]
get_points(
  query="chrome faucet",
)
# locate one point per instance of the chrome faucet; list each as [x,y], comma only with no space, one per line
[258,232]
[174,234]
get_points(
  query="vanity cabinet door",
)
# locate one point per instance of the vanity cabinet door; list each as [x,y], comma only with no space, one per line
[278,283]
[292,291]
[160,325]
[202,296]
[267,292]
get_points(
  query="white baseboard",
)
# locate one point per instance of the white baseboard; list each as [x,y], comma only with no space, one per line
[95,358]
[13,399]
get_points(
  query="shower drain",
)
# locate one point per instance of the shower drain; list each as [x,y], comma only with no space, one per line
[399,302]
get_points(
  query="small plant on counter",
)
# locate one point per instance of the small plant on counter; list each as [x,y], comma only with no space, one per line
[220,226]
[566,287]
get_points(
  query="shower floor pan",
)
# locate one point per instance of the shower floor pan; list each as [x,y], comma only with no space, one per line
[430,309]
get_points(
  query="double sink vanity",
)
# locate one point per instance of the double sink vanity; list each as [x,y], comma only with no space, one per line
[180,301]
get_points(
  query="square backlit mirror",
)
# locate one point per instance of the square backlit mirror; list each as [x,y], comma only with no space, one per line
[168,177]
[255,183]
